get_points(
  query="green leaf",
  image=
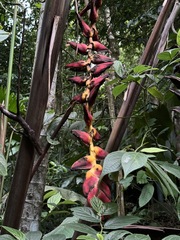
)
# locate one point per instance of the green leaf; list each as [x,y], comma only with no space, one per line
[146,194]
[141,177]
[85,213]
[16,233]
[52,141]
[168,55]
[119,68]
[6,237]
[3,35]
[132,161]
[127,181]
[143,68]
[97,205]
[3,165]
[169,167]
[119,89]
[137,237]
[156,93]
[178,208]
[110,208]
[178,38]
[116,235]
[99,236]
[36,235]
[53,201]
[153,150]
[38,5]
[172,237]
[112,163]
[86,237]
[119,222]
[55,237]
[80,227]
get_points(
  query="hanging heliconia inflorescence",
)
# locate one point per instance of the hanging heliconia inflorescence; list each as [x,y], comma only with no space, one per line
[92,82]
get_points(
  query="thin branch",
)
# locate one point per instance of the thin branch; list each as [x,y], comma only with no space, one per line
[56,131]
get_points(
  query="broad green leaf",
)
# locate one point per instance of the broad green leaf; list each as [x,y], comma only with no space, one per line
[119,222]
[112,163]
[170,168]
[178,38]
[141,177]
[16,233]
[80,227]
[119,68]
[137,237]
[85,213]
[119,89]
[36,235]
[110,208]
[86,237]
[3,35]
[133,160]
[68,232]
[146,194]
[6,237]
[116,235]
[156,93]
[153,150]
[168,55]
[172,237]
[53,201]
[127,181]
[3,165]
[143,68]
[54,237]
[97,205]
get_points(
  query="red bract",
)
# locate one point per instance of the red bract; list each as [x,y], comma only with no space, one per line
[100,68]
[80,47]
[87,31]
[86,162]
[100,153]
[78,66]
[93,13]
[97,46]
[88,118]
[97,82]
[81,81]
[83,136]
[99,58]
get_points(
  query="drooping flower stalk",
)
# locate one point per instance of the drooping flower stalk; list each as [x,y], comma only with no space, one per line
[92,82]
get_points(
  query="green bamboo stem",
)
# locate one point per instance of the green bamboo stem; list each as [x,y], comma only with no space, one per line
[11,57]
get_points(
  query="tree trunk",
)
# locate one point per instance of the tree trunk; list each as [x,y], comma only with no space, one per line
[55,15]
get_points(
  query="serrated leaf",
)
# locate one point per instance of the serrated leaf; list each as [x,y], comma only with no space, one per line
[119,222]
[172,237]
[116,235]
[97,205]
[119,89]
[156,93]
[137,237]
[85,213]
[146,194]
[141,177]
[178,38]
[53,201]
[80,227]
[112,163]
[153,150]
[110,208]
[3,165]
[133,160]
[16,233]
[35,235]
